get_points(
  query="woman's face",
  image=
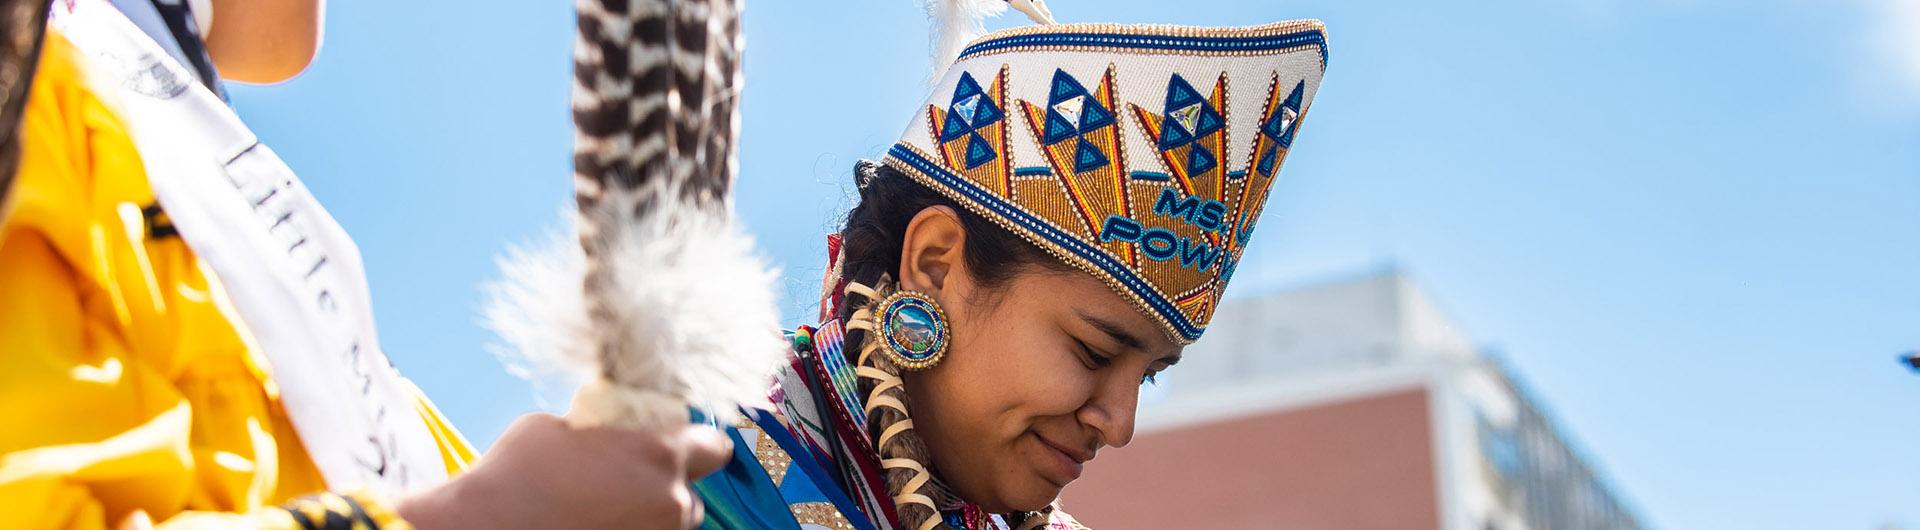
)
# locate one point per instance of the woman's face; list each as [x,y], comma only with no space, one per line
[1042,373]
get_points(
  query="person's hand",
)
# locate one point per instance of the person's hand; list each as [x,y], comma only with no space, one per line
[544,473]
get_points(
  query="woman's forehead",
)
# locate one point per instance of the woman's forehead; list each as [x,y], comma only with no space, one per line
[1080,297]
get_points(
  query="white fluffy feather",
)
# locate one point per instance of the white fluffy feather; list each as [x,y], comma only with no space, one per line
[958,22]
[955,23]
[691,315]
[535,308]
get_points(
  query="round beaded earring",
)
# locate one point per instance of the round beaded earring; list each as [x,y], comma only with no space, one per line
[914,329]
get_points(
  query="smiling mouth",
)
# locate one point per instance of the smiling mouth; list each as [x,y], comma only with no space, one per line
[1062,465]
[1078,457]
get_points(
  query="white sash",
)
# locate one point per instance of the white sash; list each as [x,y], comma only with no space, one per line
[292,275]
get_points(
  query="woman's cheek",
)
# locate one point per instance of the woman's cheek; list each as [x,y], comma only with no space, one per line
[1055,381]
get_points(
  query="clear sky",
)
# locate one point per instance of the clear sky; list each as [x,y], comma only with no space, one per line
[1692,225]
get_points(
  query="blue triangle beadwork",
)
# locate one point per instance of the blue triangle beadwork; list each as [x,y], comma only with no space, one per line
[969,111]
[1064,86]
[1199,160]
[987,114]
[1090,117]
[1281,125]
[966,89]
[1180,93]
[1087,114]
[1268,160]
[1057,129]
[1086,157]
[1172,135]
[1093,116]
[978,151]
[1183,100]
[955,128]
[1210,120]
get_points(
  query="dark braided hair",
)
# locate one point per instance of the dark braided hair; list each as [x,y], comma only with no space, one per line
[872,239]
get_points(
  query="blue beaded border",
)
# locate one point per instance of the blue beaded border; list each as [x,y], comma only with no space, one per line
[1313,37]
[1040,227]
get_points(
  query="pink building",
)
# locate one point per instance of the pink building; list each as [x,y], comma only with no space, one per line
[1352,405]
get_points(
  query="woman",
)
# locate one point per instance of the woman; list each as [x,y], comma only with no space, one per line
[185,340]
[1058,221]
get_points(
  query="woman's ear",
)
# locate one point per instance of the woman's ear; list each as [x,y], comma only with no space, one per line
[932,250]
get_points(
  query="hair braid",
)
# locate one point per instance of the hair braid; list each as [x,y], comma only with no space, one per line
[903,454]
[873,238]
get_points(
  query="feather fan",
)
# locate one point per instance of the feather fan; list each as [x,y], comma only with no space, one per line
[659,302]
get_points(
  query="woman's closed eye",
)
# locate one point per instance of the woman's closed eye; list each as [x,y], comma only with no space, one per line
[1096,361]
[1093,359]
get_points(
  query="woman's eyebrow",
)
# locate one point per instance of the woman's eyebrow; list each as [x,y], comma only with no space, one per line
[1119,333]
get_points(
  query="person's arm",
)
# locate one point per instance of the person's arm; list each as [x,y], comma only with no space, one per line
[543,473]
[264,41]
[546,473]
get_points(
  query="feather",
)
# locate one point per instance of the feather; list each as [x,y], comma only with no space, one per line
[663,303]
[955,23]
[958,22]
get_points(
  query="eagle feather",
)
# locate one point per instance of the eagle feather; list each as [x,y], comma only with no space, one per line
[660,302]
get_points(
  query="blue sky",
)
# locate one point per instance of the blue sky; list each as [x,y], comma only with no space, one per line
[1692,225]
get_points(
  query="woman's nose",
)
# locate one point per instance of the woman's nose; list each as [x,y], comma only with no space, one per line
[1111,410]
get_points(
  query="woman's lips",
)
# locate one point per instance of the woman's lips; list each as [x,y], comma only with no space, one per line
[1062,465]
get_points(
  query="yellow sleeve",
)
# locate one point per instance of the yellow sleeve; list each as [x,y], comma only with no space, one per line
[124,388]
[103,433]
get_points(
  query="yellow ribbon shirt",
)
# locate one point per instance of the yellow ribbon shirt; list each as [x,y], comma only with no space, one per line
[124,386]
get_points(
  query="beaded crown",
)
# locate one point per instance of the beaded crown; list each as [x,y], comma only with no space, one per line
[1140,154]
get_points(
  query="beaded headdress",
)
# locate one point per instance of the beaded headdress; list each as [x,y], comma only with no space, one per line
[1140,154]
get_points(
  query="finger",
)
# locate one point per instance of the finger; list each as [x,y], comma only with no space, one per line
[697,513]
[707,450]
[528,429]
[687,505]
[532,422]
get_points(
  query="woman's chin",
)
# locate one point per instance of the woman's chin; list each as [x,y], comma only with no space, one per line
[1023,496]
[1030,495]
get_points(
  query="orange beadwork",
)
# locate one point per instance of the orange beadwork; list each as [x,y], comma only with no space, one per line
[1130,159]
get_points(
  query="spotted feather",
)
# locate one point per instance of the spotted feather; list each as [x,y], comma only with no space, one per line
[660,301]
